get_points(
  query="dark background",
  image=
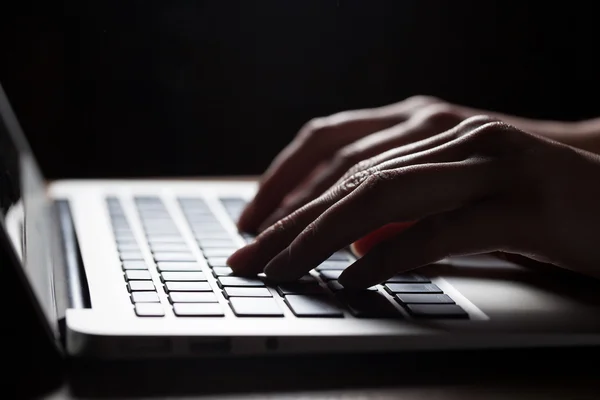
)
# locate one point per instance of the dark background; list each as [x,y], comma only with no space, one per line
[147,88]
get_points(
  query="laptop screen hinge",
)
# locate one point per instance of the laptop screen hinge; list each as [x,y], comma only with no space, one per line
[74,273]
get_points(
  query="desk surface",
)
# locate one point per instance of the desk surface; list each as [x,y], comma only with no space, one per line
[514,374]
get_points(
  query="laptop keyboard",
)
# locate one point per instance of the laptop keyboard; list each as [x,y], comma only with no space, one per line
[191,293]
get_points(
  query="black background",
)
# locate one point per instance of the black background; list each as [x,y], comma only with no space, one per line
[147,88]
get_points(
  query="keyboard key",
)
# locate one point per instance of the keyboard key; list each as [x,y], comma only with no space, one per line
[119,222]
[134,265]
[339,256]
[307,279]
[240,281]
[170,247]
[336,286]
[248,238]
[313,306]
[135,286]
[145,297]
[187,287]
[300,288]
[204,222]
[174,257]
[220,235]
[224,252]
[149,310]
[255,307]
[246,292]
[368,304]
[178,266]
[129,238]
[233,202]
[206,226]
[122,229]
[222,271]
[183,276]
[158,225]
[217,262]
[216,244]
[161,230]
[412,288]
[128,247]
[126,241]
[131,256]
[192,297]
[137,275]
[336,265]
[154,240]
[198,310]
[436,311]
[330,275]
[408,278]
[199,214]
[191,202]
[303,280]
[424,298]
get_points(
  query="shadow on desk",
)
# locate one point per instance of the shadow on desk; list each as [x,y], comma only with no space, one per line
[544,373]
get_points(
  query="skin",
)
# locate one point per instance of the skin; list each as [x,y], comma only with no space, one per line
[478,186]
[326,148]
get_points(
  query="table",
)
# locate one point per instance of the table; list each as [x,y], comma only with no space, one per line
[497,374]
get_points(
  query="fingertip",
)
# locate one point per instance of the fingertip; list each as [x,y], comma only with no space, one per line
[350,280]
[278,269]
[362,273]
[246,221]
[241,261]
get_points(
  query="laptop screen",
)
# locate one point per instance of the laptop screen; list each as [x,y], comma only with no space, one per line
[25,210]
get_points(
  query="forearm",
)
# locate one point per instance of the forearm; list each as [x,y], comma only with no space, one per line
[581,134]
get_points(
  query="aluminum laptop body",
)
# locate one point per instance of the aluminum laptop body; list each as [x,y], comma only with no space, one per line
[136,268]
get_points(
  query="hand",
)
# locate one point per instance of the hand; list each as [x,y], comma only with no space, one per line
[326,148]
[481,186]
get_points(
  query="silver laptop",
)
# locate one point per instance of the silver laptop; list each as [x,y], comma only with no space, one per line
[137,268]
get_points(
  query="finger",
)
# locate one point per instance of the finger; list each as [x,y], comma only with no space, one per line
[315,143]
[473,229]
[363,245]
[253,258]
[403,194]
[412,136]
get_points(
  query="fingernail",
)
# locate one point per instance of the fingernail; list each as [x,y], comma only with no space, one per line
[241,259]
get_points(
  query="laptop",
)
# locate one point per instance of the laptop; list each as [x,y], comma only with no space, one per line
[137,268]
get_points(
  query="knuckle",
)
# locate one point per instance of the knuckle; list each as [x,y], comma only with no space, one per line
[378,180]
[358,167]
[441,116]
[281,225]
[423,100]
[313,129]
[346,158]
[310,231]
[480,120]
[355,179]
[492,131]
